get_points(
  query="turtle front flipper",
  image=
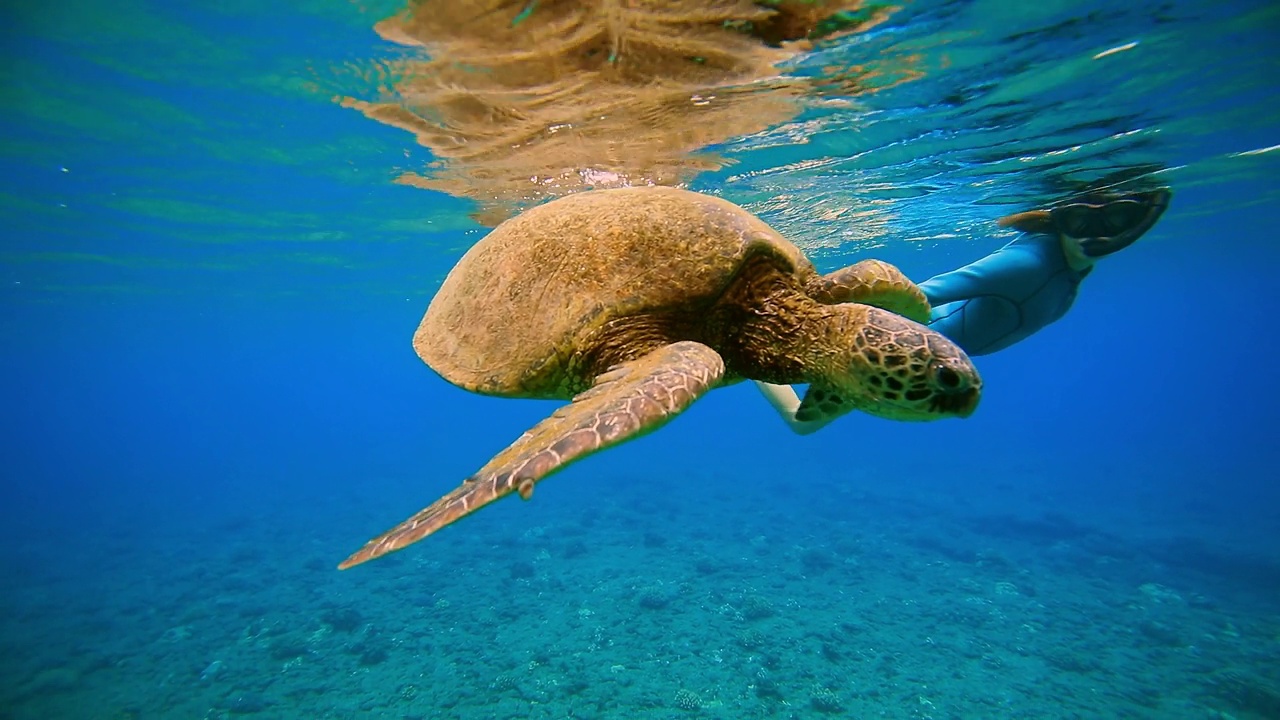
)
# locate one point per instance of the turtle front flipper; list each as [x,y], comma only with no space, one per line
[872,282]
[625,402]
[821,405]
[786,402]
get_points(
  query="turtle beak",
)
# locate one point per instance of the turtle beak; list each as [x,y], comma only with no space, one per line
[957,387]
[958,403]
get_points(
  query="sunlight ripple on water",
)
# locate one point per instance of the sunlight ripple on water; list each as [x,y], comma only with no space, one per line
[924,124]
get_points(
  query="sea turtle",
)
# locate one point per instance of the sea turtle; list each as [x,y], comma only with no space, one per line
[634,302]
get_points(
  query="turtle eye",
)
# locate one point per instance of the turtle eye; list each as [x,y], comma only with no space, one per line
[947,377]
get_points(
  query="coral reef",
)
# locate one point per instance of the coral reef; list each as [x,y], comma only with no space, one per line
[921,633]
[825,700]
[653,597]
[688,700]
[755,607]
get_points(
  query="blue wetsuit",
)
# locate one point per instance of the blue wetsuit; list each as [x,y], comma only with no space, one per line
[1006,296]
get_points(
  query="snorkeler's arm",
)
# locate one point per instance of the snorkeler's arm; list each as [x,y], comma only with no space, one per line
[784,399]
[964,283]
[1014,271]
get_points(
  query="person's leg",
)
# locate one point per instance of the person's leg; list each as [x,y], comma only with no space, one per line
[1016,291]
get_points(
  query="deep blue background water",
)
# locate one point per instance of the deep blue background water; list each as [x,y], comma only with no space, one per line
[208,284]
[1149,406]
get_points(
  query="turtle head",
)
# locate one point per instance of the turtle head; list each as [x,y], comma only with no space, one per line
[894,368]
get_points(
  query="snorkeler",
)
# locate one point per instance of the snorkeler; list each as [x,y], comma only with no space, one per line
[1024,286]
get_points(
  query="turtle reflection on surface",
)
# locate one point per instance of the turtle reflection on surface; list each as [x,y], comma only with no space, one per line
[524,101]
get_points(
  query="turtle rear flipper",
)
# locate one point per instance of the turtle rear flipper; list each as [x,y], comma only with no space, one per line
[873,282]
[627,401]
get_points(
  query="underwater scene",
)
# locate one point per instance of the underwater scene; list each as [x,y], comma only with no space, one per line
[903,359]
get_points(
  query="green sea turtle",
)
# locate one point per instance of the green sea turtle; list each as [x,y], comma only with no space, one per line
[634,302]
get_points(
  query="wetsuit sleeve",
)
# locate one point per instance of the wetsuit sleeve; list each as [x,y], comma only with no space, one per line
[960,284]
[1005,272]
[1005,297]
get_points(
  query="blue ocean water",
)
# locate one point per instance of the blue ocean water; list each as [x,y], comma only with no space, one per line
[210,276]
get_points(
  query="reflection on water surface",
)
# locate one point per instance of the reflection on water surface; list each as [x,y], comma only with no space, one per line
[522,101]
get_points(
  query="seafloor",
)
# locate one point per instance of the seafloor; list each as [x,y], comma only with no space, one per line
[695,598]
